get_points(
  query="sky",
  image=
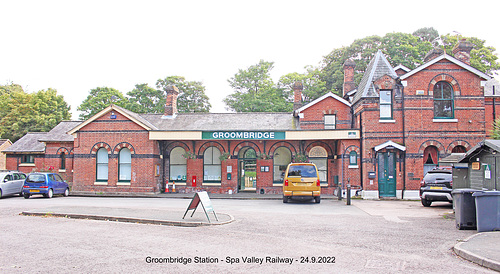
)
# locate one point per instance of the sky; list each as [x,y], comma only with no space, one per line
[75,46]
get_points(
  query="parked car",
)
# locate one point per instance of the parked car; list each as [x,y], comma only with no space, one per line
[301,181]
[47,184]
[11,183]
[436,186]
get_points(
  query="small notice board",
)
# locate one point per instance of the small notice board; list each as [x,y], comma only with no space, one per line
[201,197]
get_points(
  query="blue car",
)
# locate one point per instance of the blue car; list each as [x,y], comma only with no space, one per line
[46,184]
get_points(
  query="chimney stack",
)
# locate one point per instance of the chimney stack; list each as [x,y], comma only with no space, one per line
[171,104]
[433,53]
[349,84]
[462,49]
[297,95]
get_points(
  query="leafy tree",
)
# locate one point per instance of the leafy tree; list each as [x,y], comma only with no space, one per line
[399,48]
[100,98]
[313,85]
[254,91]
[495,133]
[145,99]
[22,112]
[192,97]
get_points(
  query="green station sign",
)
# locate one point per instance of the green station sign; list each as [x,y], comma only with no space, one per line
[243,135]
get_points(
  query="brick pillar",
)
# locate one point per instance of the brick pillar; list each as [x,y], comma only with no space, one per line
[349,84]
[297,95]
[171,104]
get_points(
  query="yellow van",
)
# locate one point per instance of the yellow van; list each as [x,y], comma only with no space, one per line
[301,181]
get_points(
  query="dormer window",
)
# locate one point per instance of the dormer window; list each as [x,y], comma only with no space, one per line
[386,104]
[330,121]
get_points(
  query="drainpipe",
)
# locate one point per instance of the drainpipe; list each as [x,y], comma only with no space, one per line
[361,148]
[404,139]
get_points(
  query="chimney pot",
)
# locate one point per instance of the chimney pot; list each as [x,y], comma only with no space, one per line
[171,102]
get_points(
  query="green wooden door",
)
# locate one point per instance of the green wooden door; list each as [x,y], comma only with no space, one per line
[387,174]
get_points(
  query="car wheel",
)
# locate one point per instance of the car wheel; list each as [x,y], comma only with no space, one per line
[285,199]
[50,193]
[426,202]
[0,194]
[66,192]
[26,196]
[317,199]
[21,193]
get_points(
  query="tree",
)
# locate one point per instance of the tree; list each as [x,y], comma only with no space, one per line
[313,85]
[100,98]
[399,48]
[192,97]
[254,91]
[22,112]
[145,99]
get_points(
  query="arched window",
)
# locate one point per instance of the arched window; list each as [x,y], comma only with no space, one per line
[178,164]
[63,160]
[459,149]
[102,165]
[319,156]
[353,158]
[124,165]
[281,158]
[431,157]
[443,100]
[212,165]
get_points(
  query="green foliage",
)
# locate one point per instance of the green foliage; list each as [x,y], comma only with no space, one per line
[99,99]
[495,133]
[313,85]
[426,34]
[145,99]
[192,97]
[254,91]
[37,112]
[481,57]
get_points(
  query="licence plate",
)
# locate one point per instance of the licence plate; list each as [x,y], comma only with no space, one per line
[436,187]
[34,190]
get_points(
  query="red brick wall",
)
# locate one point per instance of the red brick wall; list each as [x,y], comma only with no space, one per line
[115,134]
[314,115]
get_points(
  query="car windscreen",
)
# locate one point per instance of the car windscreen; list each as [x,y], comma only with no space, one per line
[302,171]
[433,177]
[36,178]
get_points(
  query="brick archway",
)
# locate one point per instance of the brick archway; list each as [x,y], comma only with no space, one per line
[282,144]
[435,143]
[121,145]
[321,144]
[245,144]
[62,150]
[447,78]
[210,144]
[456,143]
[99,145]
[173,145]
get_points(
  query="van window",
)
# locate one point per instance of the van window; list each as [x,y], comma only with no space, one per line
[302,171]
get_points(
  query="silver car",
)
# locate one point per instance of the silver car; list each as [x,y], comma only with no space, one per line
[11,182]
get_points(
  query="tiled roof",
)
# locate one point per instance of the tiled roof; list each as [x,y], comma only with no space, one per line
[223,121]
[378,67]
[28,143]
[58,133]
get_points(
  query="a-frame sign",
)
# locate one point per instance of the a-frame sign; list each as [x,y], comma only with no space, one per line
[205,203]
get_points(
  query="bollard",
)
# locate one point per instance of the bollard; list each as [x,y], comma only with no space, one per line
[339,192]
[349,194]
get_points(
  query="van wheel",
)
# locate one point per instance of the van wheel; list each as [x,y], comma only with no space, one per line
[26,196]
[285,199]
[426,202]
[317,199]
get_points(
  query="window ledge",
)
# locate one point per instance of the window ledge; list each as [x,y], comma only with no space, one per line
[27,164]
[211,184]
[62,170]
[445,120]
[387,121]
[353,166]
[123,183]
[100,183]
[178,183]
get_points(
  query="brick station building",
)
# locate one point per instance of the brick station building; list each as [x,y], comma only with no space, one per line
[381,136]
